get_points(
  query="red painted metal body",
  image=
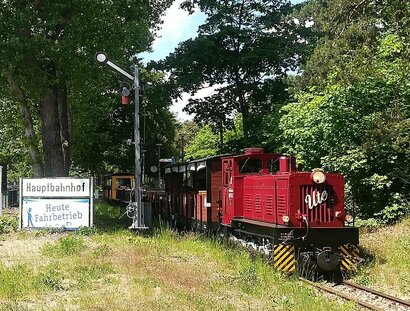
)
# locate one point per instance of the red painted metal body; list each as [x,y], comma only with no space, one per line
[255,189]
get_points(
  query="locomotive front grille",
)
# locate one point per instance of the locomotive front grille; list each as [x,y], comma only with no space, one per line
[316,203]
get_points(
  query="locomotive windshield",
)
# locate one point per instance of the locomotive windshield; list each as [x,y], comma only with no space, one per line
[250,165]
[274,165]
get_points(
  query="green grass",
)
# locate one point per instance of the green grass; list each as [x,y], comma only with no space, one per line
[387,263]
[112,268]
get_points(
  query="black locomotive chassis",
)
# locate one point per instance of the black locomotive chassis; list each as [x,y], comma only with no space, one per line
[297,236]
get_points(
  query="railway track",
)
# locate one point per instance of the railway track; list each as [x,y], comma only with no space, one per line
[362,296]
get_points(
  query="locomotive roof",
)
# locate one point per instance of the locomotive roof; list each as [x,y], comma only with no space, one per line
[233,155]
[201,159]
[119,174]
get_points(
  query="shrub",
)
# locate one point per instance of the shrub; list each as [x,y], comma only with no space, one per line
[8,223]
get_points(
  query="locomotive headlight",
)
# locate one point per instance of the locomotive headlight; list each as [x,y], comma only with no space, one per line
[349,218]
[285,218]
[318,176]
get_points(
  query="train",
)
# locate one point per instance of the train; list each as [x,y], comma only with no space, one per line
[260,200]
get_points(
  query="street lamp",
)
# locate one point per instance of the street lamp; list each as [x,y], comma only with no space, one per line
[138,218]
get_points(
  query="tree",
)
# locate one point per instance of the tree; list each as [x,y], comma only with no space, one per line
[346,34]
[47,61]
[12,150]
[105,145]
[243,50]
[204,144]
[351,111]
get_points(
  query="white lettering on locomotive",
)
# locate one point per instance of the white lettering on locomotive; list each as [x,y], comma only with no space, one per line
[316,198]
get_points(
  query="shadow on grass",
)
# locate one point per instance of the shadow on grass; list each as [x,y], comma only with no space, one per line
[110,216]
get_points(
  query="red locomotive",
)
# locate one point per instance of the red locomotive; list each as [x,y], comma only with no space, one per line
[260,200]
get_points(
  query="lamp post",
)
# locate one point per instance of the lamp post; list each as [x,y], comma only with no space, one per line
[138,217]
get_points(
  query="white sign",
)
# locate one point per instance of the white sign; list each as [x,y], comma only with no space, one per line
[55,213]
[56,187]
[56,203]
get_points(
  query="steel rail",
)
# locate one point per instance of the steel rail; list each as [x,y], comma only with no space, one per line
[377,293]
[344,296]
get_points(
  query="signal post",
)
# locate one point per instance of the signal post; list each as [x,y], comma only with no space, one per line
[138,209]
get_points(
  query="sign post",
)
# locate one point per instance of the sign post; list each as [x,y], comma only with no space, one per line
[56,203]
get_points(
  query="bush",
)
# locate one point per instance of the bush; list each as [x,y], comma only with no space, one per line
[398,209]
[8,223]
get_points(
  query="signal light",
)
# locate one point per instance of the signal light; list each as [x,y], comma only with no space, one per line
[125,93]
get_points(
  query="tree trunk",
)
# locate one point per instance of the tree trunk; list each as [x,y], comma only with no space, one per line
[32,144]
[51,132]
[244,110]
[65,128]
[29,132]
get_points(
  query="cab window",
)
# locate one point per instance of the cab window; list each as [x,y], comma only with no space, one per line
[249,165]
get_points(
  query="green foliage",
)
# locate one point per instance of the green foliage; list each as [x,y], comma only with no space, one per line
[48,57]
[8,223]
[356,121]
[13,152]
[242,51]
[397,209]
[101,146]
[204,144]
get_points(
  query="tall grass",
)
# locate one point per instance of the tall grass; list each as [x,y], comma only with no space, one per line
[388,264]
[116,269]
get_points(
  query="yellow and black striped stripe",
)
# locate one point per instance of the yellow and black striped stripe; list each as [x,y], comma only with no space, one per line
[284,257]
[350,257]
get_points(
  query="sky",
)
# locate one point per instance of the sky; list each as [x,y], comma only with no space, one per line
[178,26]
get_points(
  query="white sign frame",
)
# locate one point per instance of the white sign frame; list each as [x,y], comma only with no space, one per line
[56,203]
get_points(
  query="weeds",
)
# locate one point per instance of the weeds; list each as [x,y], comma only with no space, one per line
[17,281]
[66,245]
